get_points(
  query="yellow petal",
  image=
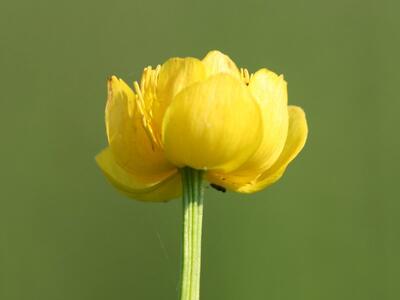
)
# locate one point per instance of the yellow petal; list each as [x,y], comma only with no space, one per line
[297,135]
[134,185]
[271,92]
[175,75]
[213,124]
[130,143]
[217,62]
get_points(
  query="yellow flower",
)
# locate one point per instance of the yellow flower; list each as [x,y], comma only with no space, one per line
[205,114]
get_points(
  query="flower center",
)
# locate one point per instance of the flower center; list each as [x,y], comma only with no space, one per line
[145,97]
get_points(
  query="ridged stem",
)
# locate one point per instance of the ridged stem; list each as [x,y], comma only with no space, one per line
[192,228]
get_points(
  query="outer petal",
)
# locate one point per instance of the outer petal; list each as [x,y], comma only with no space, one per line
[271,92]
[297,135]
[213,124]
[175,75]
[133,186]
[217,62]
[130,143]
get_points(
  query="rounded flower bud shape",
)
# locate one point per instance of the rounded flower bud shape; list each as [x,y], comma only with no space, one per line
[204,114]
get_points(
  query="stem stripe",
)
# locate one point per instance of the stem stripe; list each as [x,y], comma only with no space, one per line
[192,229]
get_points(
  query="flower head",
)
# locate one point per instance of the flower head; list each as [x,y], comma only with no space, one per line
[205,114]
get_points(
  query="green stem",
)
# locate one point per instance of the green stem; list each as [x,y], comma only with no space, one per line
[192,225]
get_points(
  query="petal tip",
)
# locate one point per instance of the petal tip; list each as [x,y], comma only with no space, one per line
[217,62]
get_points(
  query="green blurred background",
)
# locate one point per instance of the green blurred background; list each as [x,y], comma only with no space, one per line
[328,230]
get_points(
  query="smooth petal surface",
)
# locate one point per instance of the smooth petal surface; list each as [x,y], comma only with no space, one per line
[296,138]
[130,143]
[271,92]
[213,124]
[216,62]
[134,185]
[175,75]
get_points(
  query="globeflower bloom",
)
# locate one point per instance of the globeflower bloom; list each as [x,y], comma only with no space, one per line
[204,114]
[189,120]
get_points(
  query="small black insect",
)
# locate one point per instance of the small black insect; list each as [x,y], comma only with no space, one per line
[218,187]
